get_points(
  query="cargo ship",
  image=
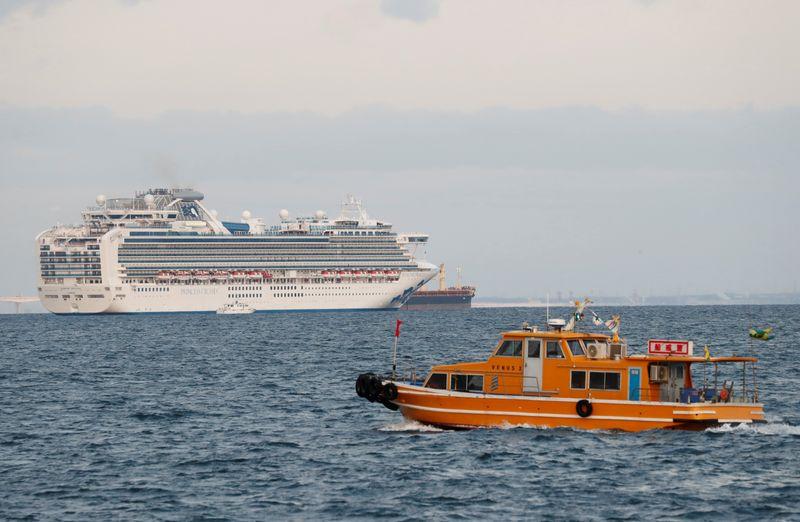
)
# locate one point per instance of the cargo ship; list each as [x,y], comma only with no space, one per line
[453,298]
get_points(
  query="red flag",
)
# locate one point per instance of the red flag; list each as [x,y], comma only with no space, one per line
[397,328]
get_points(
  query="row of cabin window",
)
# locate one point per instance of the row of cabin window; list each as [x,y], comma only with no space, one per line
[458,382]
[553,348]
[609,381]
[597,380]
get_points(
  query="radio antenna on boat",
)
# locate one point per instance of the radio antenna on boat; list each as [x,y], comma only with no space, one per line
[547,307]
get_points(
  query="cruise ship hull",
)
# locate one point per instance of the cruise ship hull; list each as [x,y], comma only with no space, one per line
[161,298]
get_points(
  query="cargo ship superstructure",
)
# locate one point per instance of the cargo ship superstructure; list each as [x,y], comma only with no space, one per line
[163,251]
[444,298]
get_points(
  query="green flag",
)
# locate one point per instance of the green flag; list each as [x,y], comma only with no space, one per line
[764,334]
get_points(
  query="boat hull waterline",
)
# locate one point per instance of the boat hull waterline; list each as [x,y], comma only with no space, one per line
[448,409]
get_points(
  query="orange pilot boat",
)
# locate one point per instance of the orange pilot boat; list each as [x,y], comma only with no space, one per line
[563,378]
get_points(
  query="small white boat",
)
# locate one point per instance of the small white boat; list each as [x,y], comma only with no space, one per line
[235,308]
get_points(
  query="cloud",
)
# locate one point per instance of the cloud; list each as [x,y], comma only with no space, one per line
[39,6]
[43,145]
[414,10]
[278,56]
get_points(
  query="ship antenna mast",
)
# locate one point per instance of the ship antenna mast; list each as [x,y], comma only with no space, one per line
[547,307]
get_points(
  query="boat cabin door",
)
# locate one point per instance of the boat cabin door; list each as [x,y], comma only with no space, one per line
[671,390]
[532,366]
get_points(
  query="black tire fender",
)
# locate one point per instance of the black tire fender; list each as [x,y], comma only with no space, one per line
[584,408]
[360,385]
[373,388]
[390,391]
[392,406]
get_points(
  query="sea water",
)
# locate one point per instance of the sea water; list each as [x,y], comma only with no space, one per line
[193,416]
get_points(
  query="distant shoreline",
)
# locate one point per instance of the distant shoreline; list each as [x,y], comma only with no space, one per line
[777,299]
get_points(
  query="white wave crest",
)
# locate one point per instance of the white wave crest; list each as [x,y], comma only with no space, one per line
[508,426]
[410,425]
[771,428]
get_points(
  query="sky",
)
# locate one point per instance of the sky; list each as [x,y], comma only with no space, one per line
[587,147]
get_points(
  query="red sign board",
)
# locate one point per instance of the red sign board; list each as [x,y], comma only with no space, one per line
[667,347]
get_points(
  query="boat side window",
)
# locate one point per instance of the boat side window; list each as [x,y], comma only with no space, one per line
[534,348]
[437,381]
[510,349]
[554,350]
[466,383]
[604,381]
[575,347]
[578,380]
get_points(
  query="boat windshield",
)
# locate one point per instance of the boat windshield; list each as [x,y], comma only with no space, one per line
[575,347]
[510,348]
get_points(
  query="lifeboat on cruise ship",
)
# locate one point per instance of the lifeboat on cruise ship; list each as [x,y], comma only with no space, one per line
[164,275]
[255,275]
[203,275]
[266,275]
[238,275]
[559,377]
[183,275]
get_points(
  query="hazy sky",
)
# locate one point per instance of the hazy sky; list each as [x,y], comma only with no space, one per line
[584,146]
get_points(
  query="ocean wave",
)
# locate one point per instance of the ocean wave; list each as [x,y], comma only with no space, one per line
[410,425]
[770,428]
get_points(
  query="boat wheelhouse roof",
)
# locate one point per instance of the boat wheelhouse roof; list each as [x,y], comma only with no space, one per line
[555,334]
[571,335]
[691,359]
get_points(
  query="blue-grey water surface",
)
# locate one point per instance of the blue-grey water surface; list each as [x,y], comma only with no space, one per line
[174,417]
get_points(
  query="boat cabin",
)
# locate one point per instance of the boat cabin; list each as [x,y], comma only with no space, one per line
[579,365]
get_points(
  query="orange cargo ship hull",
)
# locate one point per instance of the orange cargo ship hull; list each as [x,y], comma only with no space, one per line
[471,410]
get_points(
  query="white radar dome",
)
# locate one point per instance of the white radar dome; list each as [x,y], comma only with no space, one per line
[320,214]
[149,200]
[246,214]
[100,199]
[284,214]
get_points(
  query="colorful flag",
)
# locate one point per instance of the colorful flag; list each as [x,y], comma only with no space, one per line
[707,354]
[763,334]
[397,328]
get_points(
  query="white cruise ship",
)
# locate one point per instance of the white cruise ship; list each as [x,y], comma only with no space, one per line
[163,251]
